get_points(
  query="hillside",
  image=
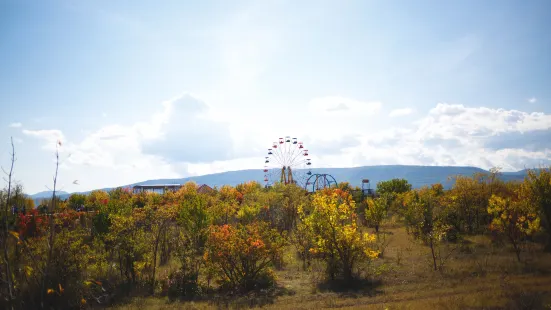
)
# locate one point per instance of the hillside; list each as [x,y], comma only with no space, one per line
[418,176]
[47,194]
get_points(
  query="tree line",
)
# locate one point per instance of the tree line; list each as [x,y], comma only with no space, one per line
[232,239]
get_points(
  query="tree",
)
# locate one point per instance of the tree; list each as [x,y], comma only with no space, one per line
[76,201]
[515,218]
[345,186]
[376,211]
[336,237]
[226,207]
[52,228]
[126,239]
[243,254]
[6,234]
[303,239]
[97,200]
[394,186]
[158,221]
[193,220]
[537,188]
[426,219]
[469,200]
[393,190]
[282,203]
[187,189]
[19,200]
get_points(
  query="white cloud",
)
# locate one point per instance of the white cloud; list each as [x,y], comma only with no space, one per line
[533,100]
[457,135]
[180,132]
[342,106]
[51,136]
[400,112]
[447,120]
[16,125]
[110,156]
[186,133]
[226,165]
[449,134]
[182,139]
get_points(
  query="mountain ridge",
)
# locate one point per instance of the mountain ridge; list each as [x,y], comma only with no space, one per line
[48,194]
[417,175]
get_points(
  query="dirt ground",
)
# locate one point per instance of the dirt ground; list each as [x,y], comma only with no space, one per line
[478,275]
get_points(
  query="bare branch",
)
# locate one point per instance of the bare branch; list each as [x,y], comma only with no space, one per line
[6,227]
[52,229]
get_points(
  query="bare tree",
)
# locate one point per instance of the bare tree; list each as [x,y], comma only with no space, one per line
[52,229]
[5,236]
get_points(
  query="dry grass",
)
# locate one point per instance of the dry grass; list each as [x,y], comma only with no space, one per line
[479,275]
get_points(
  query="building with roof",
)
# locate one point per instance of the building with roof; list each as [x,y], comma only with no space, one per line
[204,189]
[163,188]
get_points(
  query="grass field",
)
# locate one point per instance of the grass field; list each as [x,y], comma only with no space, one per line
[477,275]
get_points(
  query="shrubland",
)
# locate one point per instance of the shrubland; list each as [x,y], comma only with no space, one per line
[282,244]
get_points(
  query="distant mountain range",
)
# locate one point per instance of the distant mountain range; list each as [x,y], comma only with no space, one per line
[418,176]
[48,194]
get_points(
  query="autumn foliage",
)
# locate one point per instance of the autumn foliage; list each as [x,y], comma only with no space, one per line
[336,239]
[242,254]
[232,240]
[514,218]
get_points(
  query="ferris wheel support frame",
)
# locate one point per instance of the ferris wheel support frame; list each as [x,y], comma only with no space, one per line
[290,157]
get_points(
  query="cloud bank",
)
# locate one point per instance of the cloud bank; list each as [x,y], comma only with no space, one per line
[182,139]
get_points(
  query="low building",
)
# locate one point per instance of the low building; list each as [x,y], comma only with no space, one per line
[156,188]
[162,188]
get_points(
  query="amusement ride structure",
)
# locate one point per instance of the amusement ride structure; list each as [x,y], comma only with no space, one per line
[287,162]
[319,181]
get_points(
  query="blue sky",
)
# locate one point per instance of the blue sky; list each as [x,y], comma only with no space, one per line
[139,90]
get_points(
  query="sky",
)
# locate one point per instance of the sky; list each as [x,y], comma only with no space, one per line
[139,90]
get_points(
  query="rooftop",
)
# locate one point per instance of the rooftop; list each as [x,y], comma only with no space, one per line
[157,185]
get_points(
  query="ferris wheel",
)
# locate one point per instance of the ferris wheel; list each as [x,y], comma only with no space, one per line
[287,162]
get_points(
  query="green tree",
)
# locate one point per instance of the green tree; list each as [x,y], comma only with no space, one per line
[394,186]
[194,220]
[426,220]
[127,242]
[393,190]
[157,222]
[76,201]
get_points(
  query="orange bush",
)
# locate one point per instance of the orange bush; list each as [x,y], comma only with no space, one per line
[243,254]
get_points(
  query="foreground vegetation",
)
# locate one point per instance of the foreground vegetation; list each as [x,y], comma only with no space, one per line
[482,244]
